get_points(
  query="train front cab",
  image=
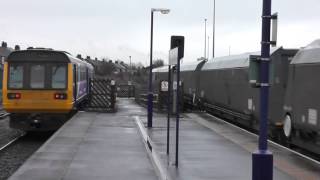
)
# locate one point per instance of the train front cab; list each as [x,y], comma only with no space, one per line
[34,106]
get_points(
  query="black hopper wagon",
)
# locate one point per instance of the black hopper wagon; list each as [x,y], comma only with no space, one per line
[222,86]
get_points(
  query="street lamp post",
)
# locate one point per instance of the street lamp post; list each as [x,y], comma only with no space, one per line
[150,93]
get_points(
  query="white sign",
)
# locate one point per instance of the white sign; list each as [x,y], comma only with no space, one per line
[173,56]
[175,85]
[164,86]
[250,104]
[113,82]
[312,116]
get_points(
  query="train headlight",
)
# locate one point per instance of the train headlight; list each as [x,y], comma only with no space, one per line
[61,96]
[14,95]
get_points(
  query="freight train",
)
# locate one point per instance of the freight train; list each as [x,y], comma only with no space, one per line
[222,87]
[41,87]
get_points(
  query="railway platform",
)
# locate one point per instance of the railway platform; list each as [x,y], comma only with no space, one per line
[119,146]
[214,149]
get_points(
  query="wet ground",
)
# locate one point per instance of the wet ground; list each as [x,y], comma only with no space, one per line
[112,146]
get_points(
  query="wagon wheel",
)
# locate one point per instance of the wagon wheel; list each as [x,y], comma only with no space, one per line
[287,126]
[287,131]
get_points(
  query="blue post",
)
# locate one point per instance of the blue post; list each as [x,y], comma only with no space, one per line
[262,159]
[178,41]
[177,112]
[150,93]
[169,109]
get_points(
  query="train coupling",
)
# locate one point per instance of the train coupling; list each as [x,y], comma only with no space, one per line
[35,123]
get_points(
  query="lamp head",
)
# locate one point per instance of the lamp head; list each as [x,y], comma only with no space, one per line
[165,11]
[162,10]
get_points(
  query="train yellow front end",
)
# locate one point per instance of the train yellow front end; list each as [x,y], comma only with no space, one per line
[42,88]
[38,101]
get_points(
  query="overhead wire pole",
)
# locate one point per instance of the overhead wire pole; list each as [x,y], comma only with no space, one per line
[262,160]
[130,68]
[205,38]
[208,47]
[130,62]
[214,27]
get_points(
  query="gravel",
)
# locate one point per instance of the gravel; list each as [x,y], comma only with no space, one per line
[13,156]
[7,134]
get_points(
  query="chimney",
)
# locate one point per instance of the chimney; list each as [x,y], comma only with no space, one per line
[4,44]
[17,48]
[88,57]
[79,56]
[96,59]
[110,61]
[116,62]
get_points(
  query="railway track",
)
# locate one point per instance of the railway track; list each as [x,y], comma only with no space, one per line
[4,115]
[18,150]
[12,142]
[314,158]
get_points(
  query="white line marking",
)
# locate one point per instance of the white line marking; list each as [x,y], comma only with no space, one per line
[162,173]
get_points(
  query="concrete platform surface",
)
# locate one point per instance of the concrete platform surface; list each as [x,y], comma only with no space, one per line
[212,149]
[93,146]
[119,147]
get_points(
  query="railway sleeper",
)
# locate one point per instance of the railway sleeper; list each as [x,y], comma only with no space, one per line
[243,120]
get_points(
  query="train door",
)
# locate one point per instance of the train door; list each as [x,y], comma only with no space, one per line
[75,82]
[88,80]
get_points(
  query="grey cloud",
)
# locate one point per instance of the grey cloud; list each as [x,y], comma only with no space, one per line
[116,28]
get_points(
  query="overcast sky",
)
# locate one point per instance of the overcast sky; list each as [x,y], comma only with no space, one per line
[121,28]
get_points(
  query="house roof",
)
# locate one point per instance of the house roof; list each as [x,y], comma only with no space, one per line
[5,51]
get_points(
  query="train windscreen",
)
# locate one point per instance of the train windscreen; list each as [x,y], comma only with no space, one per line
[37,76]
[16,76]
[59,76]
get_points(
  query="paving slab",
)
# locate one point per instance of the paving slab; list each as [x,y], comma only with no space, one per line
[115,146]
[93,146]
[212,149]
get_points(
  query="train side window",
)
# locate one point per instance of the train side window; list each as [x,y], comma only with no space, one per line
[16,76]
[59,77]
[78,73]
[37,76]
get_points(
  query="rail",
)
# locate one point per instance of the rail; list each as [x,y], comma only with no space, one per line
[12,141]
